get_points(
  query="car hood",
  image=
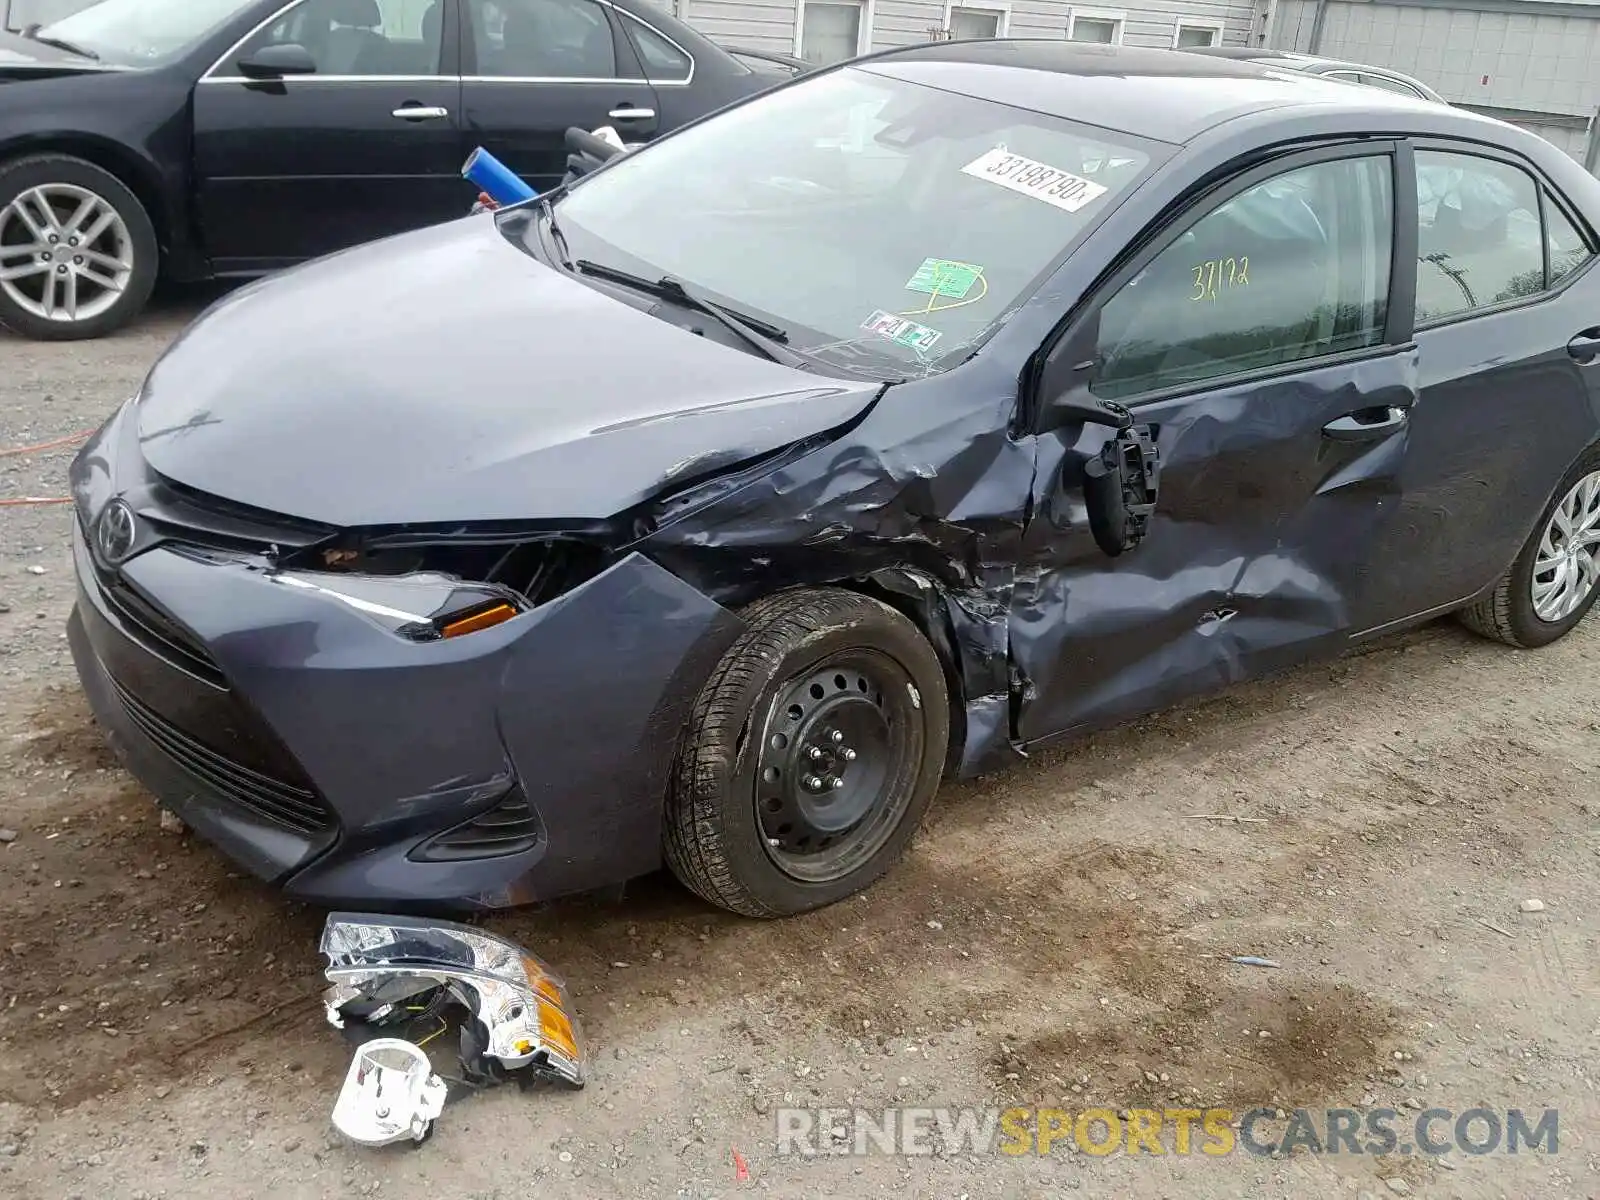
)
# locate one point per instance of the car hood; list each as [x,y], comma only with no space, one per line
[23,58]
[445,376]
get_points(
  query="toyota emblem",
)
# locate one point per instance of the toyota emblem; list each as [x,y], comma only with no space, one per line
[115,533]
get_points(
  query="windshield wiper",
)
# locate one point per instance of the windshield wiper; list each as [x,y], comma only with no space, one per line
[63,44]
[765,337]
[556,236]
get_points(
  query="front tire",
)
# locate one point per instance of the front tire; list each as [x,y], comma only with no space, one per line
[814,750]
[78,252]
[1553,582]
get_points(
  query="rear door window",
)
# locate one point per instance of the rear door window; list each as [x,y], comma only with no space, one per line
[1392,85]
[1569,249]
[1478,234]
[542,39]
[663,61]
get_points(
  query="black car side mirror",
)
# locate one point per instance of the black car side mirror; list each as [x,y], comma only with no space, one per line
[274,62]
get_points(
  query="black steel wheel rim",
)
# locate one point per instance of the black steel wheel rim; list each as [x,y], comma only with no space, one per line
[836,769]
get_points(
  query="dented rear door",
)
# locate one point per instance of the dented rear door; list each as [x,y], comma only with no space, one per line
[1255,343]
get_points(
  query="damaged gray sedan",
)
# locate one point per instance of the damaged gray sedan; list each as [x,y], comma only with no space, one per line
[877,429]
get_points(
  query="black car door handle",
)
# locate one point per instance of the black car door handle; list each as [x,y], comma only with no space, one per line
[1585,346]
[420,112]
[1367,424]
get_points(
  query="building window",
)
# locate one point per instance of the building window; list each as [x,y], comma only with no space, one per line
[1191,34]
[831,30]
[975,21]
[1095,25]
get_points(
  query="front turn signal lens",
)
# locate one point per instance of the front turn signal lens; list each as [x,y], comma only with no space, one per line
[484,618]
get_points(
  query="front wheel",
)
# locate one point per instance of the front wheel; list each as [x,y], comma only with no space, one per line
[78,254]
[814,751]
[1552,584]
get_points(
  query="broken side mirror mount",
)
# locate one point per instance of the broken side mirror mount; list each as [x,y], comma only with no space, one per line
[1121,482]
[1092,410]
[1120,487]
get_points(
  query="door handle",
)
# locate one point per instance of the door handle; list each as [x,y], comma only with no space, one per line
[1366,424]
[420,112]
[1585,346]
[624,112]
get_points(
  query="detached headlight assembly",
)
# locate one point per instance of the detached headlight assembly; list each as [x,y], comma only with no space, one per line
[422,607]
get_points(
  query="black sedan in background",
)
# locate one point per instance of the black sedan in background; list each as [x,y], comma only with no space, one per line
[206,138]
[887,424]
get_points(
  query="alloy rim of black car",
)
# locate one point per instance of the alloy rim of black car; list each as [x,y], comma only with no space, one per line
[66,254]
[840,750]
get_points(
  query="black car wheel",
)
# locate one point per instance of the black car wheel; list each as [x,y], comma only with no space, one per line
[1553,582]
[78,253]
[814,750]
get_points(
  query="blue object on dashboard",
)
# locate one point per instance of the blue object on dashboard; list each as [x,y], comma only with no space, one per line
[495,179]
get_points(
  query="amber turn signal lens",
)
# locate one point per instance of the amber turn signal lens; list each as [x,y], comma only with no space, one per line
[482,619]
[557,1032]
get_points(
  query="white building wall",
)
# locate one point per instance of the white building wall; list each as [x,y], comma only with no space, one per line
[1540,69]
[770,24]
[758,24]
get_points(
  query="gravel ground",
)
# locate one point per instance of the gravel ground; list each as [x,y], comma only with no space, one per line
[1058,935]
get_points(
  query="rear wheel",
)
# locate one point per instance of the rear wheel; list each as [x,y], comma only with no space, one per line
[814,750]
[78,253]
[1553,582]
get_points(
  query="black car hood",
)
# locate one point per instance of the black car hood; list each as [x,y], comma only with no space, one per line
[446,376]
[23,58]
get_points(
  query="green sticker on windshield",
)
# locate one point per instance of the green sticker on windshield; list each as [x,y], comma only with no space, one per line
[900,331]
[944,277]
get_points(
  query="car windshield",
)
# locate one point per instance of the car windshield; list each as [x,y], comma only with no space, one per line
[886,227]
[143,33]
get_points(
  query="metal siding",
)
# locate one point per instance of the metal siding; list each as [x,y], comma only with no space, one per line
[1518,58]
[758,24]
[769,24]
[1151,23]
[905,22]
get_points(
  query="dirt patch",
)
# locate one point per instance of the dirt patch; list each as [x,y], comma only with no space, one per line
[126,945]
[62,733]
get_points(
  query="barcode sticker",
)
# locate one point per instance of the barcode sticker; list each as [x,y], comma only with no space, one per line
[1030,178]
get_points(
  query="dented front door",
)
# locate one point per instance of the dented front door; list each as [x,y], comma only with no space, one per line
[1255,347]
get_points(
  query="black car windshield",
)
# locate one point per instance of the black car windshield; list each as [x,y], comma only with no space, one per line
[143,33]
[884,226]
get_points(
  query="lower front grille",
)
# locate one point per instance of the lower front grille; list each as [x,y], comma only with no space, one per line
[282,803]
[510,827]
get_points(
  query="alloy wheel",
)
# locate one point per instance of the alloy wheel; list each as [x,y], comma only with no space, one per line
[66,254]
[1565,570]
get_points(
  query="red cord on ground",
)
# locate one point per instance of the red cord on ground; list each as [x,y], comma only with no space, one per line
[37,500]
[50,445]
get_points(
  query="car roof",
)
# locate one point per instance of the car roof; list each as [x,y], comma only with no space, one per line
[1162,95]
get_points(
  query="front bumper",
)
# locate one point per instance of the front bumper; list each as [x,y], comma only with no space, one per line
[321,751]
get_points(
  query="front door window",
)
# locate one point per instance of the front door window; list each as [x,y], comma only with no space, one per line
[1296,267]
[360,37]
